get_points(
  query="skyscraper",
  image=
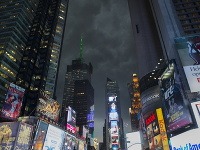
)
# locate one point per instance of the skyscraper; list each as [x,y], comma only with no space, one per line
[16,18]
[114,123]
[83,104]
[135,108]
[38,68]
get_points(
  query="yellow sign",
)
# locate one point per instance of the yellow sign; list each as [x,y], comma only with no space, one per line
[162,129]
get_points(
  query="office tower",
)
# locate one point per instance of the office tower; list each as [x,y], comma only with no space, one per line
[114,132]
[136,105]
[38,68]
[83,104]
[146,38]
[16,18]
[79,70]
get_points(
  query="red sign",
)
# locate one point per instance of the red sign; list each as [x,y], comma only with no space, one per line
[150,119]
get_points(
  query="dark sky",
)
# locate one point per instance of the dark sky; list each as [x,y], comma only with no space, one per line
[108,45]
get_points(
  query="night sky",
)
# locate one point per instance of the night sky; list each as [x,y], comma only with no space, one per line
[108,45]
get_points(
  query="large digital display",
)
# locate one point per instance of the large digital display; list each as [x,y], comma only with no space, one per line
[13,102]
[177,114]
[54,138]
[112,98]
[188,48]
[112,107]
[113,116]
[8,134]
[71,142]
[40,136]
[47,107]
[114,129]
[71,120]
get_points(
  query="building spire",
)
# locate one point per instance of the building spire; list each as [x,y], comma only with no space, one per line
[81,48]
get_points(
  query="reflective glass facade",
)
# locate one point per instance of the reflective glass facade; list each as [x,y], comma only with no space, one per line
[15,19]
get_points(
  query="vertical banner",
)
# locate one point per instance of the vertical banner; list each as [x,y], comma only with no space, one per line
[188,48]
[177,113]
[13,102]
[163,133]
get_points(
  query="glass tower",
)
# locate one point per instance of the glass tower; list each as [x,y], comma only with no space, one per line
[39,65]
[15,19]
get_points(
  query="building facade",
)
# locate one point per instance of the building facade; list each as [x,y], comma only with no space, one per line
[38,68]
[16,18]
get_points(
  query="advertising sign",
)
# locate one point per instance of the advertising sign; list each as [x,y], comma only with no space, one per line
[8,134]
[112,98]
[54,138]
[114,129]
[90,117]
[47,107]
[186,141]
[24,136]
[188,48]
[81,145]
[162,128]
[13,102]
[196,110]
[40,136]
[177,113]
[112,107]
[71,120]
[71,142]
[113,116]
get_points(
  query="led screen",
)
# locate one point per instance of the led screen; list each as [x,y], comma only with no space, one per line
[71,142]
[177,113]
[13,102]
[188,48]
[112,107]
[112,98]
[47,107]
[114,129]
[71,120]
[40,136]
[113,116]
[8,133]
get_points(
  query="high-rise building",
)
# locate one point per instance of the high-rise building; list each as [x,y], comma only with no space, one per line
[79,70]
[39,65]
[83,104]
[146,38]
[136,105]
[16,18]
[114,124]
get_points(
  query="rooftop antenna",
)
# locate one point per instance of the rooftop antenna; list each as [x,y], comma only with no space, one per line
[81,48]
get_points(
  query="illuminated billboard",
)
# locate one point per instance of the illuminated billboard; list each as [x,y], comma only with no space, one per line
[71,142]
[54,138]
[177,113]
[188,48]
[114,129]
[47,107]
[112,107]
[113,116]
[112,98]
[13,102]
[15,135]
[40,136]
[71,120]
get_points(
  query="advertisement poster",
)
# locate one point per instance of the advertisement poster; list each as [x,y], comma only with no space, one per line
[90,118]
[54,138]
[114,130]
[71,142]
[40,136]
[112,107]
[47,107]
[23,141]
[8,135]
[196,111]
[13,102]
[188,48]
[113,116]
[163,132]
[71,120]
[177,113]
[81,145]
